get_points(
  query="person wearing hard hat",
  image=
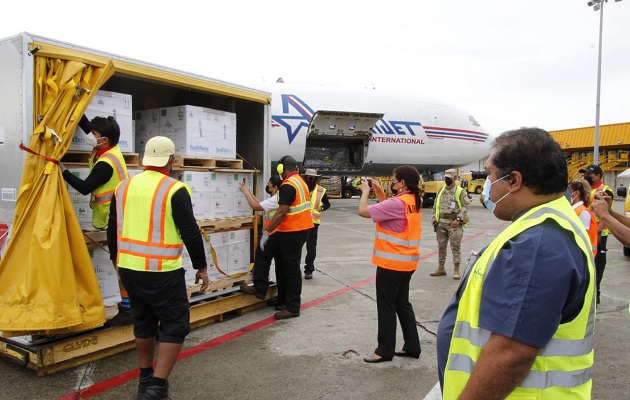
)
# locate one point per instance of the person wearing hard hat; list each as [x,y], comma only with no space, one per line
[150,220]
[319,203]
[450,214]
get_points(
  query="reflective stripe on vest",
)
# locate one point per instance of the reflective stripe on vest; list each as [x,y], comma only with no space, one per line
[102,195]
[399,251]
[150,241]
[316,204]
[563,368]
[299,216]
[268,216]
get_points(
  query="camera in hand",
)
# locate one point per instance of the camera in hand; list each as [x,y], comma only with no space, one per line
[369,181]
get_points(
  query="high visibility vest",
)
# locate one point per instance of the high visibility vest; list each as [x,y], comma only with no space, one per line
[316,203]
[592,229]
[268,216]
[400,251]
[102,195]
[299,216]
[458,191]
[603,188]
[563,369]
[147,237]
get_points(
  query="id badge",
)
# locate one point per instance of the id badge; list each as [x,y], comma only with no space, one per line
[453,204]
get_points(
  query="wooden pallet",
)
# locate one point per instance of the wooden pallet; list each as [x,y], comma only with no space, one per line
[75,158]
[222,224]
[70,351]
[205,164]
[218,285]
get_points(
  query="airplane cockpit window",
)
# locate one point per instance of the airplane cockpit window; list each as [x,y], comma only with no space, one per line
[473,121]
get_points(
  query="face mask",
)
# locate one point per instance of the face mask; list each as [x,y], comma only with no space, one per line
[448,181]
[91,140]
[589,179]
[394,191]
[268,190]
[490,205]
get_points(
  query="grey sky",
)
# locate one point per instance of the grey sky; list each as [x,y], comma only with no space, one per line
[510,63]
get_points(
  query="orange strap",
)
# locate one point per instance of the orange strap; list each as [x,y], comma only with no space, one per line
[52,160]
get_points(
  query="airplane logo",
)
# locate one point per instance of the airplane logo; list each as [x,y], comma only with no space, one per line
[296,115]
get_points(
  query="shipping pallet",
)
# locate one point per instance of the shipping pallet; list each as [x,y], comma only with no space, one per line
[54,355]
[74,158]
[205,164]
[222,224]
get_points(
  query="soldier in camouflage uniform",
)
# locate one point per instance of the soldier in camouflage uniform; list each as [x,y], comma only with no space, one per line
[450,211]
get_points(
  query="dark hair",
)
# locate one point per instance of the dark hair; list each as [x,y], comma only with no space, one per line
[107,127]
[584,188]
[289,164]
[411,176]
[275,180]
[533,153]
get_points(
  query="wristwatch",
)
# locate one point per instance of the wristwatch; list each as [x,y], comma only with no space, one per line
[459,218]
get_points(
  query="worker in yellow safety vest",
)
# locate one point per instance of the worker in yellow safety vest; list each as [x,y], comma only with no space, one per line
[319,203]
[539,346]
[107,169]
[151,219]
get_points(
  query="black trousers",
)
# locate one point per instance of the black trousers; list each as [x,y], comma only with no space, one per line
[311,250]
[262,264]
[287,252]
[600,262]
[392,299]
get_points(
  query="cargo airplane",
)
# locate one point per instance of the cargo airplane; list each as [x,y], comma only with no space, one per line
[341,131]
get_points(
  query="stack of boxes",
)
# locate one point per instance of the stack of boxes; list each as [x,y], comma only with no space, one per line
[109,104]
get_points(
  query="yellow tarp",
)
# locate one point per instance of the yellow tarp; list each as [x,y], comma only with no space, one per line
[47,282]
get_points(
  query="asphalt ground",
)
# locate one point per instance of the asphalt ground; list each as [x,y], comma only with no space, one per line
[320,354]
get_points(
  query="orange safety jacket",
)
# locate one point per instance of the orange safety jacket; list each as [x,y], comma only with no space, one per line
[299,216]
[148,239]
[592,229]
[400,251]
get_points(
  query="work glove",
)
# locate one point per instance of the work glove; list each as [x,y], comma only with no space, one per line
[263,240]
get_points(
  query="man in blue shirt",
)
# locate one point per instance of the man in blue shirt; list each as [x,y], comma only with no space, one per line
[529,290]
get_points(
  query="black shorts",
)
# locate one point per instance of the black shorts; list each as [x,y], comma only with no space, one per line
[159,304]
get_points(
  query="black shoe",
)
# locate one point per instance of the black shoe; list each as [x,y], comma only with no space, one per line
[281,306]
[143,384]
[286,314]
[373,360]
[308,275]
[405,354]
[245,288]
[155,393]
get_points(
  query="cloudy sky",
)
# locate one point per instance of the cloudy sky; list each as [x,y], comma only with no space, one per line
[510,63]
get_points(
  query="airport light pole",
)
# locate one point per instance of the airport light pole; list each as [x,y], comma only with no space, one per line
[598,5]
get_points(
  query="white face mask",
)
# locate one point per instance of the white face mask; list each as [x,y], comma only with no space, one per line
[91,140]
[490,205]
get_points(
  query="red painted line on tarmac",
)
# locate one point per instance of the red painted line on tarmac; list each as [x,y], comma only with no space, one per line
[125,377]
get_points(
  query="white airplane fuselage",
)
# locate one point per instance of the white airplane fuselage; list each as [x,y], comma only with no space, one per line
[428,134]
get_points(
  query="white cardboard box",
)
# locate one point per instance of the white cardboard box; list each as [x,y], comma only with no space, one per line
[105,104]
[80,202]
[106,275]
[195,131]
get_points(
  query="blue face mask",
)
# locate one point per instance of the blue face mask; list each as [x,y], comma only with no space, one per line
[490,205]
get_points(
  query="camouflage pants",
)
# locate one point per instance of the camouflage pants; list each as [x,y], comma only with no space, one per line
[445,233]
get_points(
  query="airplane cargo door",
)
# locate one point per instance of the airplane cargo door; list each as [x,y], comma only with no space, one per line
[338,142]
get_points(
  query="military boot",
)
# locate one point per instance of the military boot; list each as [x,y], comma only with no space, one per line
[456,272]
[440,271]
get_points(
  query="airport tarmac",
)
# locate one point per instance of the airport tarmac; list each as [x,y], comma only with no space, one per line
[320,354]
